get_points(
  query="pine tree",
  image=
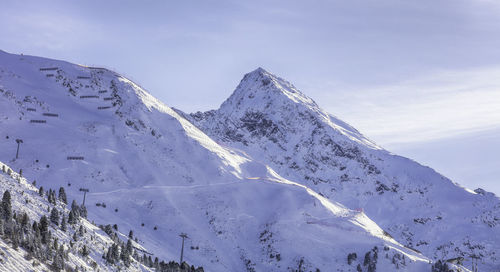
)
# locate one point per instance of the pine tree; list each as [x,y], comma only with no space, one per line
[71,218]
[80,230]
[62,196]
[58,262]
[116,252]
[54,216]
[113,254]
[63,223]
[85,252]
[51,197]
[440,266]
[109,255]
[83,211]
[125,256]
[75,209]
[36,229]
[56,244]
[25,220]
[367,258]
[156,265]
[15,239]
[129,246]
[6,209]
[44,229]
[41,191]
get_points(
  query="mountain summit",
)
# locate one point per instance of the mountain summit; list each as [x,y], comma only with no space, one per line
[260,95]
[260,89]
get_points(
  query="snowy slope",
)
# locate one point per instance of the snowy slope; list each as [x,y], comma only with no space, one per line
[13,260]
[159,175]
[26,199]
[270,120]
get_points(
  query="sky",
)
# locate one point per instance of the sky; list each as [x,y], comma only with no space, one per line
[421,78]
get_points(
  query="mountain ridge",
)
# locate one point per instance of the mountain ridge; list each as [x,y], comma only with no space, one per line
[339,163]
[158,174]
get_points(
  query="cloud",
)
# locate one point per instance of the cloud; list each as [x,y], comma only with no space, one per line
[439,105]
[41,27]
[470,159]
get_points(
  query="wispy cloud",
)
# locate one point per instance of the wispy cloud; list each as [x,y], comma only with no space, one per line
[48,29]
[440,105]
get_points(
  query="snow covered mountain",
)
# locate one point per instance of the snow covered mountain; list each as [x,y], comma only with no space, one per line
[150,170]
[270,120]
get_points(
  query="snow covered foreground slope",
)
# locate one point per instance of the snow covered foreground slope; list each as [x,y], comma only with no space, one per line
[151,171]
[270,120]
[77,246]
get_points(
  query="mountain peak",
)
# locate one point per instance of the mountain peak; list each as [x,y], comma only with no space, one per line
[264,98]
[259,74]
[261,88]
[259,70]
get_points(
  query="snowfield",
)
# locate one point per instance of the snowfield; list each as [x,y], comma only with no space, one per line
[258,185]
